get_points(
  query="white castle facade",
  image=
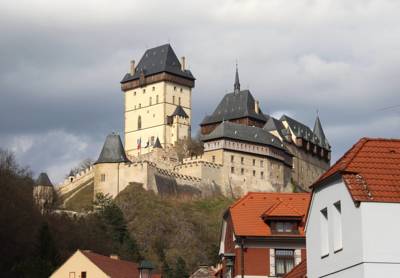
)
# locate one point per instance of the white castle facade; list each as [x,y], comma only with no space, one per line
[244,149]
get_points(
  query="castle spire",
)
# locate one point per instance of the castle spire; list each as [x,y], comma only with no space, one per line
[236,86]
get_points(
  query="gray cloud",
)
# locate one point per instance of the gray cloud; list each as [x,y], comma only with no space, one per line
[61,63]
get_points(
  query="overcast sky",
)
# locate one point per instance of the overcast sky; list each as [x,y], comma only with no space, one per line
[61,63]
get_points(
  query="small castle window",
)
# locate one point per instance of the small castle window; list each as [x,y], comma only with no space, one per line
[254,162]
[213,158]
[262,175]
[174,88]
[232,158]
[144,91]
[134,93]
[103,177]
[261,163]
[140,105]
[232,170]
[242,160]
[154,88]
[181,90]
[139,122]
[242,171]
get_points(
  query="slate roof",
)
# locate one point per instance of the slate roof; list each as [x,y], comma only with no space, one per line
[302,131]
[244,133]
[113,150]
[370,170]
[247,212]
[43,180]
[299,271]
[179,111]
[234,106]
[157,144]
[275,124]
[112,267]
[319,132]
[156,60]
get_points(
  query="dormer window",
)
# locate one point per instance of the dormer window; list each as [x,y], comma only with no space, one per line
[284,227]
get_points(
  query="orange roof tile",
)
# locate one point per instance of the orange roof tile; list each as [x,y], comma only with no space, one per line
[282,209]
[370,170]
[115,268]
[247,212]
[299,271]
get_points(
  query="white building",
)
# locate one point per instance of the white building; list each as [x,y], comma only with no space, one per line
[352,227]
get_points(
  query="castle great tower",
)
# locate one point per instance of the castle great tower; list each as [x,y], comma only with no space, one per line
[158,101]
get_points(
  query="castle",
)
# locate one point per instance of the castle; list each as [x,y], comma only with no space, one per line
[244,149]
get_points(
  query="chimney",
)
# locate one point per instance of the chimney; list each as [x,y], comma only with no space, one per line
[132,71]
[257,107]
[114,257]
[183,63]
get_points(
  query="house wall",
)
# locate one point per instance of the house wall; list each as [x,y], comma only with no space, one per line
[351,255]
[381,252]
[76,264]
[154,114]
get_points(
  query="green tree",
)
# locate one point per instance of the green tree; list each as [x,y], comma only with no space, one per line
[115,224]
[180,270]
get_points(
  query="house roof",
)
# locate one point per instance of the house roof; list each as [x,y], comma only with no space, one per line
[115,268]
[179,111]
[282,209]
[299,271]
[244,133]
[113,150]
[156,60]
[236,105]
[370,170]
[247,212]
[43,180]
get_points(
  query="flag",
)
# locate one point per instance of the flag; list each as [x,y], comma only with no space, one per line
[139,143]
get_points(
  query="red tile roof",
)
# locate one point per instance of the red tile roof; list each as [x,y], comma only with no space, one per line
[370,170]
[113,267]
[299,271]
[248,211]
[282,210]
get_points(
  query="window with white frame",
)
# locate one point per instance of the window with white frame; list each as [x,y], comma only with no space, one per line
[337,227]
[324,232]
[284,261]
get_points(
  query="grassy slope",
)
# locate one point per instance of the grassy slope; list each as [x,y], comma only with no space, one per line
[83,200]
[189,229]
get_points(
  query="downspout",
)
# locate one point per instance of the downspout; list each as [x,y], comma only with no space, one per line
[242,257]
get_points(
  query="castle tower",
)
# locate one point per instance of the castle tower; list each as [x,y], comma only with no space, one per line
[43,193]
[154,90]
[107,168]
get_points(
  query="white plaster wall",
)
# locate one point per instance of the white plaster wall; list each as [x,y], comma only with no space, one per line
[352,236]
[381,243]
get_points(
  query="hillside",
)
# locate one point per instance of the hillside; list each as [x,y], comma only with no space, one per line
[167,229]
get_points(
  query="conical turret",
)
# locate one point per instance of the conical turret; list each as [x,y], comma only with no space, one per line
[319,132]
[113,150]
[236,86]
[43,193]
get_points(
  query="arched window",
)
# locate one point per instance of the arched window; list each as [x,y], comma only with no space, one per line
[139,122]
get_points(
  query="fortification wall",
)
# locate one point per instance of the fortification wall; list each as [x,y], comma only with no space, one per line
[73,182]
